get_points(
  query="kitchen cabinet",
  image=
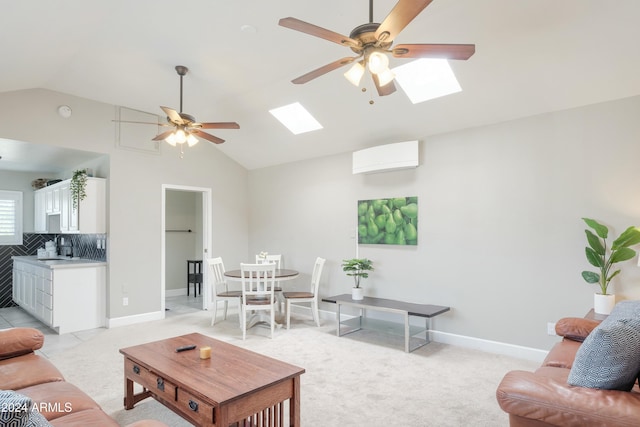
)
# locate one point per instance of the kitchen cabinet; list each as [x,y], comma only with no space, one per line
[89,217]
[65,295]
[40,214]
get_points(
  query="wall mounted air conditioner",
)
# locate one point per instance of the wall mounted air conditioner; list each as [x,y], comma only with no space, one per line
[383,158]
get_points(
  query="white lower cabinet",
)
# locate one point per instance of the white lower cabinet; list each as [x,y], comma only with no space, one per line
[67,299]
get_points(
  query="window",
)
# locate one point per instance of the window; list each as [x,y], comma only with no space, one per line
[10,217]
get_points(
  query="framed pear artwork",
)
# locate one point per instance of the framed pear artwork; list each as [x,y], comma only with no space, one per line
[392,221]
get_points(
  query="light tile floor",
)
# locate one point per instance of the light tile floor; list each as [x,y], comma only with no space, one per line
[11,317]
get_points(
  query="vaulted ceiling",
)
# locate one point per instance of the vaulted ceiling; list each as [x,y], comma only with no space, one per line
[531,57]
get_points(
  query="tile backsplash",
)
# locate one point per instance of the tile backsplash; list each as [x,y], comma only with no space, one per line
[86,246]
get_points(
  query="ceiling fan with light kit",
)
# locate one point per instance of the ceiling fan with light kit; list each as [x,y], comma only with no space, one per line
[372,43]
[184,127]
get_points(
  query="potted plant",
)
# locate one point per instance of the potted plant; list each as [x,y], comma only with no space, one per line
[603,257]
[78,186]
[358,268]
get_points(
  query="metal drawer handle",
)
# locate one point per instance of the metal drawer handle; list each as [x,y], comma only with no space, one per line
[136,369]
[193,406]
[160,384]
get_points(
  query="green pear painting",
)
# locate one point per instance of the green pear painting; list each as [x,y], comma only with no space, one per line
[388,221]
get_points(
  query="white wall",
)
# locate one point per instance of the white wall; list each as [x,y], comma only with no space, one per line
[135,190]
[500,235]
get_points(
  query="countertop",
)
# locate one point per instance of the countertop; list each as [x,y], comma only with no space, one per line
[62,262]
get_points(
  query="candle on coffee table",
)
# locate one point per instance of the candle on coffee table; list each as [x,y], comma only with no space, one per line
[205,352]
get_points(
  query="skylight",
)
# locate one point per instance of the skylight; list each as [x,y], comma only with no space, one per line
[296,118]
[426,79]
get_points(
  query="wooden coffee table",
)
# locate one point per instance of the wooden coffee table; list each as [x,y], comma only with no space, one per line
[234,385]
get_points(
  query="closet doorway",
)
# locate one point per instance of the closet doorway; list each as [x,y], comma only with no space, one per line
[186,236]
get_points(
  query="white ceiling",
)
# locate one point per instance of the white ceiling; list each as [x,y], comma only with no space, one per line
[531,57]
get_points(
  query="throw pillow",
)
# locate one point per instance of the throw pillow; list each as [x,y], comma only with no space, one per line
[36,419]
[16,410]
[609,358]
[628,309]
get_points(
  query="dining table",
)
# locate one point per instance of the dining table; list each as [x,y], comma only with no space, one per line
[281,274]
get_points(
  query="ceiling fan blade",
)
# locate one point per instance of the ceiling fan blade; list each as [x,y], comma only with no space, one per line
[385,90]
[220,125]
[445,51]
[173,115]
[314,30]
[323,70]
[163,135]
[141,123]
[207,136]
[399,17]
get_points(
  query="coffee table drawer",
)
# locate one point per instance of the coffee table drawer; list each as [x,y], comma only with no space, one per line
[195,407]
[152,382]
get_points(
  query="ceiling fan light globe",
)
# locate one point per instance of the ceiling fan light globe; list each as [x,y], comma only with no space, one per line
[191,140]
[385,77]
[171,139]
[181,137]
[378,62]
[355,73]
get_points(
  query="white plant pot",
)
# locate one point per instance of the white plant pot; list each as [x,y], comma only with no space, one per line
[357,294]
[603,304]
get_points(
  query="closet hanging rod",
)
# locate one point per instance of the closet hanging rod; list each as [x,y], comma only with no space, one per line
[178,231]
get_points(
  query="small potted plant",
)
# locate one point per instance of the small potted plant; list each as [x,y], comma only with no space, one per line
[358,268]
[603,258]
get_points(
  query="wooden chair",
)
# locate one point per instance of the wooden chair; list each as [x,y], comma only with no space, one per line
[311,296]
[220,289]
[258,294]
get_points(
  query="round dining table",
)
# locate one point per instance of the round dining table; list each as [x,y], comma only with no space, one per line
[281,274]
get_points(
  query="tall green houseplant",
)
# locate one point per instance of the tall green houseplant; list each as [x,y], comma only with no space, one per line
[603,257]
[78,186]
[358,268]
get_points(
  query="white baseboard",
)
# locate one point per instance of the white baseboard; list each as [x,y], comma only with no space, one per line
[489,346]
[136,318]
[175,292]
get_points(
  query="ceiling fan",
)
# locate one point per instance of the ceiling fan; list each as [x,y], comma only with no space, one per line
[372,44]
[184,126]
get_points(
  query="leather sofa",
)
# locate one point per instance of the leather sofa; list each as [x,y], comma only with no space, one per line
[544,398]
[33,376]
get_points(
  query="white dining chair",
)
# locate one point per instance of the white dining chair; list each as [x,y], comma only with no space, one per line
[277,259]
[220,289]
[258,294]
[310,297]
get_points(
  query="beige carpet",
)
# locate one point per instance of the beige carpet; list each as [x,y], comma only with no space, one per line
[361,379]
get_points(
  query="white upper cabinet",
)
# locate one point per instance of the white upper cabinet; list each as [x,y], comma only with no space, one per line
[88,218]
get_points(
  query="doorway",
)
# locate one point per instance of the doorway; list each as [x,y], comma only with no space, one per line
[186,235]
